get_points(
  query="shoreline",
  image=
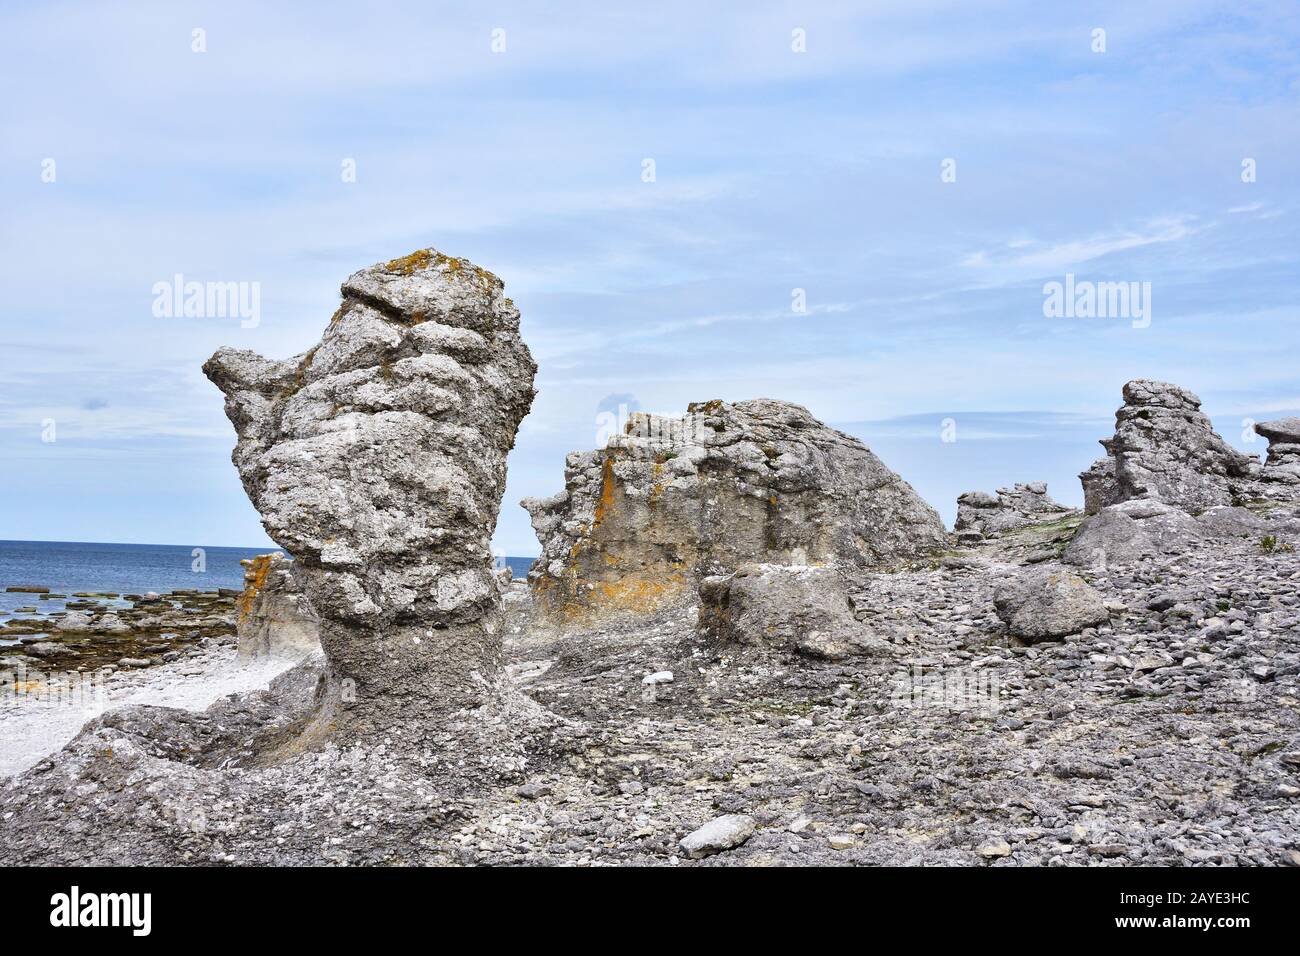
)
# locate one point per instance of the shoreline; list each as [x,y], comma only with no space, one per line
[40,720]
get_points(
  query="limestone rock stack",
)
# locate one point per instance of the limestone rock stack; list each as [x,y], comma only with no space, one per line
[672,500]
[274,617]
[378,459]
[1283,463]
[1165,448]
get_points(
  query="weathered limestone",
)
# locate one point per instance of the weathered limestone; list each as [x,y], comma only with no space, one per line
[1164,447]
[1283,463]
[377,459]
[676,499]
[275,618]
[1045,604]
[1023,504]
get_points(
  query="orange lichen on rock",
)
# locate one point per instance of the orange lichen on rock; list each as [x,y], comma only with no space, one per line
[255,572]
[605,504]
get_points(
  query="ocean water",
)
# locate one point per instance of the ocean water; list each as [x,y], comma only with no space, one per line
[520,566]
[69,566]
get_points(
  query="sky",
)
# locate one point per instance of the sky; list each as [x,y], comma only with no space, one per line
[658,185]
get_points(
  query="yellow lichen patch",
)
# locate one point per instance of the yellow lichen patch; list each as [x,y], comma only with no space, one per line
[419,259]
[428,258]
[636,593]
[709,407]
[254,580]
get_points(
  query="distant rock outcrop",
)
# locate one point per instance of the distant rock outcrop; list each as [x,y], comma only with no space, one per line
[676,499]
[982,513]
[1165,448]
[1283,463]
[275,619]
[377,459]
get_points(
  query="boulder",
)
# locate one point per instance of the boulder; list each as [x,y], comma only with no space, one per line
[673,500]
[1142,527]
[74,621]
[1164,447]
[274,617]
[1015,507]
[803,609]
[377,459]
[111,624]
[1048,604]
[1128,532]
[721,833]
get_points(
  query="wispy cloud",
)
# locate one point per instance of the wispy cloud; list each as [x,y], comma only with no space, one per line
[1055,256]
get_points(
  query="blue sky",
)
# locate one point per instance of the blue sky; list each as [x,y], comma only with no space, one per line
[774,171]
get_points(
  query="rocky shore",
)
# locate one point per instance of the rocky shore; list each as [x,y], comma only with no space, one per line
[747,642]
[98,651]
[106,632]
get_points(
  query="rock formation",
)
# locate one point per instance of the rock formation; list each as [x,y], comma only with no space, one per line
[1283,463]
[985,514]
[1164,447]
[377,459]
[676,499]
[275,618]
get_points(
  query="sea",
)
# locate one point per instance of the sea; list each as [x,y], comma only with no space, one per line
[66,567]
